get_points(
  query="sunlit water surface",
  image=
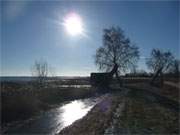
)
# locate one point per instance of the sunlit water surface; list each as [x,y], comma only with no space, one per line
[55,120]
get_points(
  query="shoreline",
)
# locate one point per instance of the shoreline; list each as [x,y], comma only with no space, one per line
[97,119]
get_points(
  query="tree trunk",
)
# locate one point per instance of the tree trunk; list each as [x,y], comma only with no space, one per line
[162,79]
[156,75]
[119,79]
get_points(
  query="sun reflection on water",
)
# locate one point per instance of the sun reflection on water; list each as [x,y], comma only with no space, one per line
[73,111]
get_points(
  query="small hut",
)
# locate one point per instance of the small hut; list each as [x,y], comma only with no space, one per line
[103,79]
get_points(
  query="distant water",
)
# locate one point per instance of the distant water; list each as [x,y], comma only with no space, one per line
[17,79]
[29,78]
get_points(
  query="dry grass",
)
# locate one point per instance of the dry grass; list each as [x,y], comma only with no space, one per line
[170,92]
[20,101]
[143,117]
[142,114]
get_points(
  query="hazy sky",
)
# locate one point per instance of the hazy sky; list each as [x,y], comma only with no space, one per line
[32,30]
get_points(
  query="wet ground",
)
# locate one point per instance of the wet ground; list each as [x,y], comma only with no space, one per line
[53,121]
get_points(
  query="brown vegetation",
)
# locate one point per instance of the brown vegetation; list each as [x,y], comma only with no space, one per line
[22,101]
[142,117]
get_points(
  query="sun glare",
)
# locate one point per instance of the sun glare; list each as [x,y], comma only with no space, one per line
[73,24]
[74,111]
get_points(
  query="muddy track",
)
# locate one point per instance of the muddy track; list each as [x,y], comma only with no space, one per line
[154,97]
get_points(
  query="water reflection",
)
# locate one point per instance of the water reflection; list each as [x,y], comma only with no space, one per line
[74,86]
[55,120]
[72,112]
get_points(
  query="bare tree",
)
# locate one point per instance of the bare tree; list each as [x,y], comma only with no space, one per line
[40,70]
[159,62]
[117,50]
[175,68]
[134,69]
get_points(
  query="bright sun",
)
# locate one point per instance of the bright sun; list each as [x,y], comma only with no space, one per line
[73,24]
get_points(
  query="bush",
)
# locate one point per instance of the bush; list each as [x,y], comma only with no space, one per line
[19,107]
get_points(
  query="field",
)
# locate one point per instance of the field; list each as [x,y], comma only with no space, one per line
[144,109]
[23,100]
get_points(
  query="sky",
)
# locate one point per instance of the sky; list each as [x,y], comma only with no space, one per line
[33,30]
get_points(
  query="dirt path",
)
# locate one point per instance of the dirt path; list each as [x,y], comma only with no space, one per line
[155,97]
[177,85]
[103,118]
[150,91]
[117,113]
[164,101]
[112,129]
